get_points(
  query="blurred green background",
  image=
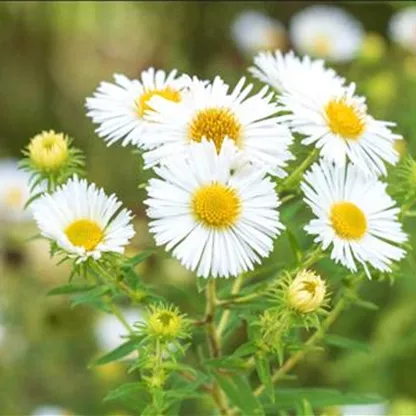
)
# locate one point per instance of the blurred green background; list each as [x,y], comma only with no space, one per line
[53,55]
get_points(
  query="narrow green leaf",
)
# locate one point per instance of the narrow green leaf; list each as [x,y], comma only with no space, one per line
[134,261]
[239,393]
[263,371]
[243,350]
[91,295]
[126,389]
[366,305]
[230,363]
[68,289]
[117,353]
[306,408]
[294,245]
[347,343]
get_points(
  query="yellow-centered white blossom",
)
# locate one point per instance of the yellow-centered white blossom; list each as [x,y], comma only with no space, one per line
[306,293]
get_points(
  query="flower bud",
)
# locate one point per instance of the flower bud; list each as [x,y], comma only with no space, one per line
[306,293]
[48,151]
[166,323]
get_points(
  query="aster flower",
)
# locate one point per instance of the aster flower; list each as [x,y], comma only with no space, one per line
[326,32]
[402,27]
[355,215]
[253,31]
[83,221]
[218,214]
[14,192]
[119,108]
[329,114]
[210,111]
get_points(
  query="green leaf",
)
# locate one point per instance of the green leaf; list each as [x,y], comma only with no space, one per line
[69,289]
[306,408]
[91,295]
[231,363]
[347,343]
[366,305]
[201,283]
[134,261]
[243,350]
[290,398]
[126,389]
[239,392]
[117,353]
[263,371]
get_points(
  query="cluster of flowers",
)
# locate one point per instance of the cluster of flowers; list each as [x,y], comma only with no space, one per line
[217,154]
[322,30]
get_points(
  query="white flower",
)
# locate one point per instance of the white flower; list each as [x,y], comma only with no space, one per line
[402,28]
[218,214]
[14,192]
[329,114]
[289,73]
[119,108]
[375,409]
[354,214]
[253,31]
[111,333]
[50,410]
[83,221]
[326,32]
[210,111]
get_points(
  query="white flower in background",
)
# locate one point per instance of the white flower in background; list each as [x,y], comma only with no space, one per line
[210,111]
[376,409]
[49,410]
[402,28]
[111,333]
[330,115]
[119,108]
[354,214]
[253,31]
[83,221]
[218,214]
[289,73]
[326,32]
[14,192]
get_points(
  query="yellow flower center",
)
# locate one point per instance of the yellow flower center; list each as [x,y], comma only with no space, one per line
[321,45]
[168,93]
[215,124]
[344,119]
[310,287]
[13,197]
[348,221]
[216,206]
[48,150]
[84,233]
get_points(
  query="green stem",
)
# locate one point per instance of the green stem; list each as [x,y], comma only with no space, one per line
[293,177]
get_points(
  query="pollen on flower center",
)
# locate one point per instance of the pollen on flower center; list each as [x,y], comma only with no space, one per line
[321,45]
[84,233]
[344,119]
[348,221]
[215,124]
[13,197]
[168,93]
[216,205]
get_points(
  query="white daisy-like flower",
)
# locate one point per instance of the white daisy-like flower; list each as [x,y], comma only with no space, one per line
[253,31]
[329,114]
[216,212]
[119,108]
[354,214]
[290,73]
[83,220]
[210,111]
[111,333]
[14,192]
[402,28]
[326,32]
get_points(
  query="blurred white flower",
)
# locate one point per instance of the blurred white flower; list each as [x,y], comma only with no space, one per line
[402,28]
[253,31]
[111,333]
[14,192]
[377,409]
[327,32]
[49,410]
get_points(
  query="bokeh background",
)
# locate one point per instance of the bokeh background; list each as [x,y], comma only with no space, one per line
[53,55]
